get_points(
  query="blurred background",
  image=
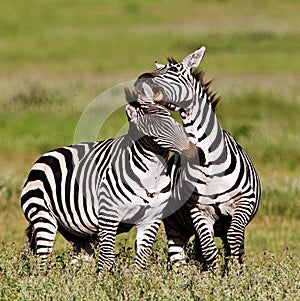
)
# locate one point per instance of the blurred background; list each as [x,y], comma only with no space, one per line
[57,56]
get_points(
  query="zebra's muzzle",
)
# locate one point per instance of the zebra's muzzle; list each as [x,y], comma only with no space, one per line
[191,151]
[158,97]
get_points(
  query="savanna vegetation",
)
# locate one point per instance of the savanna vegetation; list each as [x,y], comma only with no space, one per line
[57,56]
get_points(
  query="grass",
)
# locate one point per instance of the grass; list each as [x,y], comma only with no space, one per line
[269,278]
[56,57]
[126,35]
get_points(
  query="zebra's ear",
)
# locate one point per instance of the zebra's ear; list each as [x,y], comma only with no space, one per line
[131,96]
[193,60]
[157,65]
[131,112]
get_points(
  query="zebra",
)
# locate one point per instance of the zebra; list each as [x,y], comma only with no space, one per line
[227,191]
[94,190]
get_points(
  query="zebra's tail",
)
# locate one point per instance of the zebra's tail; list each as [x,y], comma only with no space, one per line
[29,241]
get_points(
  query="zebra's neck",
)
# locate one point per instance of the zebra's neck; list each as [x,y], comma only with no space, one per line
[205,175]
[204,130]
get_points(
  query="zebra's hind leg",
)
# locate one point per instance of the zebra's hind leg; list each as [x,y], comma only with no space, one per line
[42,232]
[145,236]
[209,250]
[198,254]
[176,248]
[107,239]
[177,240]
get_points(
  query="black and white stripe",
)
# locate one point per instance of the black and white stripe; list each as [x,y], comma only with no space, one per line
[92,191]
[225,192]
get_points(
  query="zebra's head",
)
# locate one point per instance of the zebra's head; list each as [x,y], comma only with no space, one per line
[172,85]
[157,128]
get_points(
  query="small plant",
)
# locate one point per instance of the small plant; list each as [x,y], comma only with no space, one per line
[34,96]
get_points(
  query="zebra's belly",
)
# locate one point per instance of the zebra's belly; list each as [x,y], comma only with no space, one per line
[78,224]
[71,235]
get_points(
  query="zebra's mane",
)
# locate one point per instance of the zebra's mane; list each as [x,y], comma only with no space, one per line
[198,74]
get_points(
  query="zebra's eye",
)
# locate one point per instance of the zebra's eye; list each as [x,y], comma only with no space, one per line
[173,69]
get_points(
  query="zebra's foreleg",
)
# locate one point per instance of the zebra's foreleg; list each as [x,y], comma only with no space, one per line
[107,239]
[145,236]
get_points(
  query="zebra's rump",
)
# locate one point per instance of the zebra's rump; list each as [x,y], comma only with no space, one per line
[50,182]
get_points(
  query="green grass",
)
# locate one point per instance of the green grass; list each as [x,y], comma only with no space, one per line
[57,56]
